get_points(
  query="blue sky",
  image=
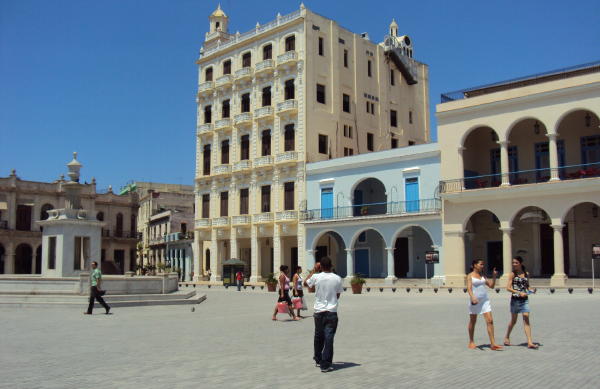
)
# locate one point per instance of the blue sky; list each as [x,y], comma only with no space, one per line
[115,80]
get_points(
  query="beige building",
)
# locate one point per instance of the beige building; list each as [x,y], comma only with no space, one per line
[520,174]
[23,203]
[298,89]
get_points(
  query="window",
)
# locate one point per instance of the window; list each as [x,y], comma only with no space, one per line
[321,46]
[351,151]
[346,102]
[289,89]
[100,216]
[265,198]
[267,52]
[208,114]
[288,196]
[225,152]
[52,252]
[345,58]
[322,144]
[392,80]
[246,102]
[227,67]
[119,229]
[245,152]
[266,96]
[369,73]
[370,141]
[44,211]
[206,160]
[209,74]
[266,143]
[393,118]
[289,138]
[133,220]
[350,133]
[590,149]
[244,201]
[394,143]
[225,109]
[246,60]
[205,206]
[410,118]
[321,93]
[411,142]
[290,43]
[368,107]
[346,151]
[224,203]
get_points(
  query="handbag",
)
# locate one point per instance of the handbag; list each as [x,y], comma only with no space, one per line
[297,302]
[282,307]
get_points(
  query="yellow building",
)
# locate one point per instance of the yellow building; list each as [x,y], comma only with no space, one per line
[520,174]
[298,89]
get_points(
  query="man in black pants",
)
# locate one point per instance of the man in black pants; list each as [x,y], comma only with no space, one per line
[95,291]
[328,287]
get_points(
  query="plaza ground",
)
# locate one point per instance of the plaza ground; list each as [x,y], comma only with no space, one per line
[387,340]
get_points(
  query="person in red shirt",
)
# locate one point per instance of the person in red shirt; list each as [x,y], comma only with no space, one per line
[239,277]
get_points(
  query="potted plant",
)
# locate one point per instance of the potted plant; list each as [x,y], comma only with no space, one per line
[357,283]
[271,282]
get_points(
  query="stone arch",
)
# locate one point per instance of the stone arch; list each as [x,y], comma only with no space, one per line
[471,129]
[44,211]
[369,251]
[410,244]
[369,197]
[533,239]
[578,144]
[483,240]
[479,167]
[331,243]
[582,223]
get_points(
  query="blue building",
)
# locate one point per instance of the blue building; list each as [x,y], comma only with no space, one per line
[376,214]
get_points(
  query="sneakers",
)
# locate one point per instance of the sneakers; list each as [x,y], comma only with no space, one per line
[327,369]
[317,363]
[108,310]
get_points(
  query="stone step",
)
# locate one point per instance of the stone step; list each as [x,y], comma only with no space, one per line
[113,301]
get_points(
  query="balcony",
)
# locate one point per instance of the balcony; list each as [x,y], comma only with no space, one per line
[224,81]
[288,59]
[221,169]
[222,221]
[266,66]
[288,106]
[242,165]
[205,88]
[286,216]
[243,74]
[204,128]
[223,124]
[244,118]
[287,157]
[241,220]
[265,217]
[521,177]
[396,208]
[264,113]
[202,223]
[264,161]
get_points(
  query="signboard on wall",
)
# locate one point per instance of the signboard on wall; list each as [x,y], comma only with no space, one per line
[596,251]
[432,256]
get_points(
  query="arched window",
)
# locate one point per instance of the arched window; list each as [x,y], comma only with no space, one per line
[209,74]
[119,229]
[227,67]
[289,136]
[100,216]
[290,43]
[44,211]
[246,60]
[267,52]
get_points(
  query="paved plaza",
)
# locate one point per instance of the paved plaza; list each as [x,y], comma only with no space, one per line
[388,340]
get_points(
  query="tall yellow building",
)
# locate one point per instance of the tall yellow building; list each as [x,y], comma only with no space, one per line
[298,89]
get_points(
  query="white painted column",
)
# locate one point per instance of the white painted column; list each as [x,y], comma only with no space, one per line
[559,277]
[197,257]
[215,257]
[310,259]
[277,257]
[504,164]
[391,274]
[553,151]
[506,253]
[536,246]
[461,165]
[233,242]
[349,264]
[411,258]
[454,262]
[255,259]
[572,249]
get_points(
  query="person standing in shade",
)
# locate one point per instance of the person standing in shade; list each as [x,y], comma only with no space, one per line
[297,288]
[95,289]
[239,277]
[518,286]
[328,287]
[479,302]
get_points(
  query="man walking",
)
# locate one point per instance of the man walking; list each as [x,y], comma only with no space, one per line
[239,277]
[95,291]
[328,287]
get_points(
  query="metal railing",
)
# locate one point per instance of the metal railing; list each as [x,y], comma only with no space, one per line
[416,207]
[521,177]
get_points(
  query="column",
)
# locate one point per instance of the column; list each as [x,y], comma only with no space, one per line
[461,166]
[553,150]
[411,258]
[559,277]
[255,255]
[391,274]
[537,256]
[504,164]
[572,248]
[506,253]
[310,259]
[197,256]
[9,259]
[233,243]
[349,264]
[454,262]
[277,252]
[215,257]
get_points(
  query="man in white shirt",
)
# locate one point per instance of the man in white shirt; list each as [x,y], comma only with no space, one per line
[328,287]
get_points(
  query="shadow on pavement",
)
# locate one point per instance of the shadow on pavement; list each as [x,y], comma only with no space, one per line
[344,365]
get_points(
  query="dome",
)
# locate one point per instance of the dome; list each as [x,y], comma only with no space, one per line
[218,13]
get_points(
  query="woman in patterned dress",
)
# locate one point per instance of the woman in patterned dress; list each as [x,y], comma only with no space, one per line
[518,286]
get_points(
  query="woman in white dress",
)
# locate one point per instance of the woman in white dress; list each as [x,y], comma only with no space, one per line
[479,302]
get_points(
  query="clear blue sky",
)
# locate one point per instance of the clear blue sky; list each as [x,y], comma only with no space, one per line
[115,80]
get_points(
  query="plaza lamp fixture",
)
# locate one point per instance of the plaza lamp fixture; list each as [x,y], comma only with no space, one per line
[588,119]
[536,128]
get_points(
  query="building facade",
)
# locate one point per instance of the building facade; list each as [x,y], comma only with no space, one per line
[377,214]
[298,89]
[521,174]
[23,203]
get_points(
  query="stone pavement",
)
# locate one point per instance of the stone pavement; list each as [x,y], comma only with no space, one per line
[384,340]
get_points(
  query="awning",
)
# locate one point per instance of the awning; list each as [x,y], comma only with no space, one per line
[234,262]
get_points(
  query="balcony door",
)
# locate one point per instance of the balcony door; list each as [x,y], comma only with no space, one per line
[411,194]
[326,203]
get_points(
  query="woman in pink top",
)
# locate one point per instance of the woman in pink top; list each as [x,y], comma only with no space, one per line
[284,292]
